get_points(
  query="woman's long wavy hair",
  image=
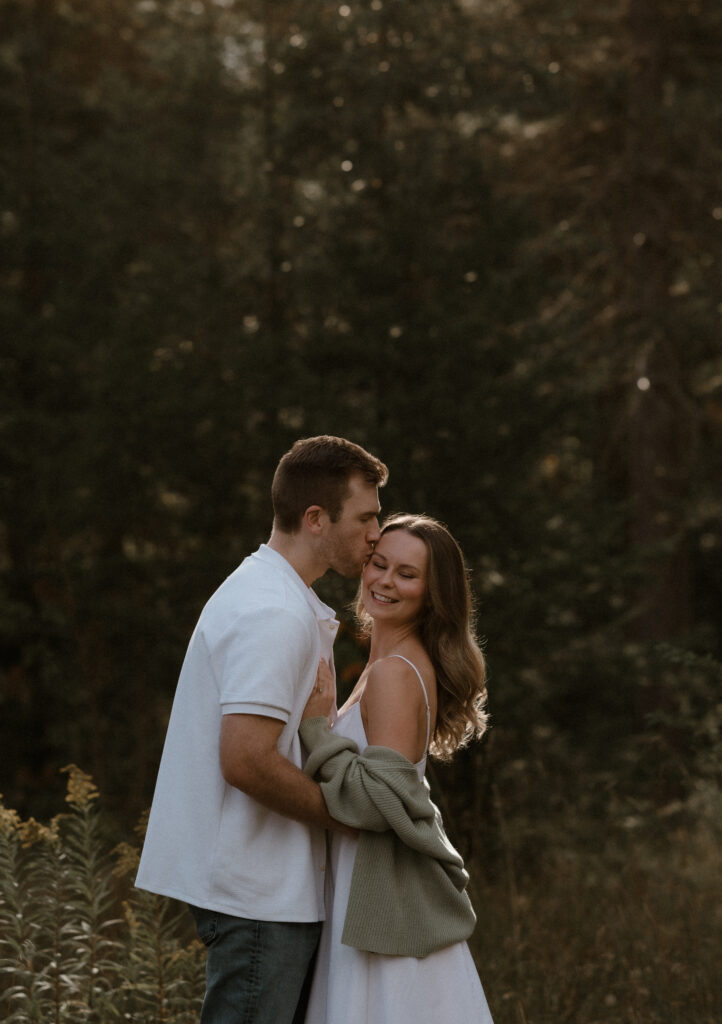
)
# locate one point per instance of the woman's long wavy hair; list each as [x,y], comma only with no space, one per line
[446,629]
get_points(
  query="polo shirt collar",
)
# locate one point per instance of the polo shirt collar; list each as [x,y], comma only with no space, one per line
[321,611]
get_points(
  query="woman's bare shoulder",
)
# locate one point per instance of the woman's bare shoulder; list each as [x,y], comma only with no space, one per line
[399,672]
[393,708]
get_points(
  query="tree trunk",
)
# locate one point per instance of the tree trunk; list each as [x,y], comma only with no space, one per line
[661,419]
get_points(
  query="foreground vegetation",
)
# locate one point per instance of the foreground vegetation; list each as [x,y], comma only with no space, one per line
[78,943]
[626,932]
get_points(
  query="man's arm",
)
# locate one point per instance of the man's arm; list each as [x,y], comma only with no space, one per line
[251,762]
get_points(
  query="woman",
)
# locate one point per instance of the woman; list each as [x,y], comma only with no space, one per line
[393,946]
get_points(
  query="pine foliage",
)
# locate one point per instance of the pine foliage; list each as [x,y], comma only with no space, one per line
[77,943]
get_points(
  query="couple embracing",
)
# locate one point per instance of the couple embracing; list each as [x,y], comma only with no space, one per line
[303,838]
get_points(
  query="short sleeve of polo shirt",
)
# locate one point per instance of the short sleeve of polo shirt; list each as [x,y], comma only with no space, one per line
[260,662]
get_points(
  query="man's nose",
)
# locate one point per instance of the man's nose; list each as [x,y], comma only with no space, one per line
[374,532]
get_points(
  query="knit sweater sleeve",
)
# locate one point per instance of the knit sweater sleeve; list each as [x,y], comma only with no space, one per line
[377,791]
[335,763]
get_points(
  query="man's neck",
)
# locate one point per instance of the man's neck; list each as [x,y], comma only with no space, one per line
[297,554]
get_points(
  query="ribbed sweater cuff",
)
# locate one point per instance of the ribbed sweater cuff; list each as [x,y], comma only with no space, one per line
[314,731]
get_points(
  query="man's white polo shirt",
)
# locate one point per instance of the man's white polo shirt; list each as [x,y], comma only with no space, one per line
[255,650]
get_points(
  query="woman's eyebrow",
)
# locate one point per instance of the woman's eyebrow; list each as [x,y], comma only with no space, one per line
[402,565]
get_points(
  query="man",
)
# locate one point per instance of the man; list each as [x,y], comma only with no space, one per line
[236,829]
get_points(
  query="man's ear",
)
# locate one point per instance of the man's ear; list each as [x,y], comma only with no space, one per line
[314,519]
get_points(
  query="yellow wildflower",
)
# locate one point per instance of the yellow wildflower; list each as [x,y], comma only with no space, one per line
[82,791]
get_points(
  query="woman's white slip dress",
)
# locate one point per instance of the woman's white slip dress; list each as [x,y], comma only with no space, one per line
[354,987]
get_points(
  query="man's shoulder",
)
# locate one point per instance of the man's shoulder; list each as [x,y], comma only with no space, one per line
[256,589]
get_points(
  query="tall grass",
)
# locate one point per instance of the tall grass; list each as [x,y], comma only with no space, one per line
[77,942]
[627,933]
[622,928]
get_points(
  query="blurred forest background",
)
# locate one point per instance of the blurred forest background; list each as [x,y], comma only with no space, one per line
[480,238]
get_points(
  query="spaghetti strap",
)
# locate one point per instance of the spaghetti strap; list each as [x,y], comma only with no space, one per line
[426,696]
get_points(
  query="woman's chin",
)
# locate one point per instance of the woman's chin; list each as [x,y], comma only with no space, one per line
[383,617]
[378,613]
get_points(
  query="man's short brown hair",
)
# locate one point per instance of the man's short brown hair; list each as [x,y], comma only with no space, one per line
[316,471]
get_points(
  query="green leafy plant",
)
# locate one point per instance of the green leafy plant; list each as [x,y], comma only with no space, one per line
[76,942]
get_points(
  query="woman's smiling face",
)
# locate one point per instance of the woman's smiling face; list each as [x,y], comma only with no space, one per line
[394,580]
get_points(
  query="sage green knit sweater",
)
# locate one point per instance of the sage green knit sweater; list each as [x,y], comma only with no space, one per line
[408,883]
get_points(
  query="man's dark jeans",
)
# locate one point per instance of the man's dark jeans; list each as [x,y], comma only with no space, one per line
[257,972]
